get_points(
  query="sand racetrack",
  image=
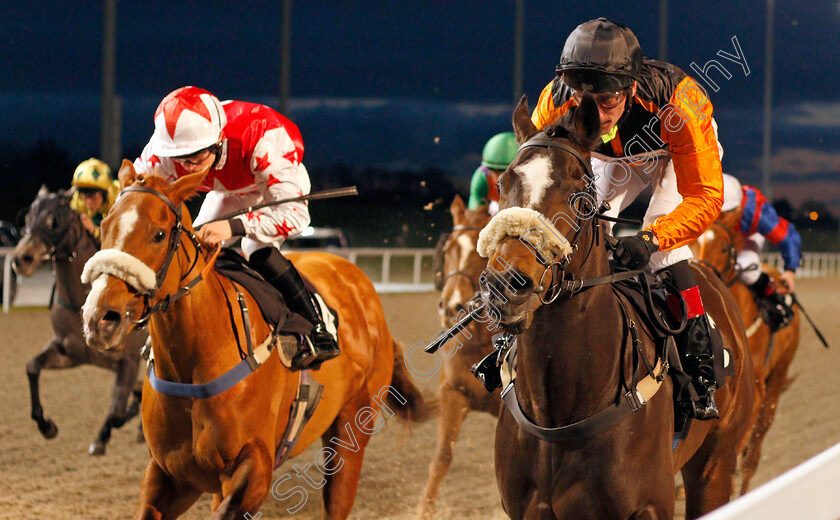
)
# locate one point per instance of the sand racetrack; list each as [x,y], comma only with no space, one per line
[56,479]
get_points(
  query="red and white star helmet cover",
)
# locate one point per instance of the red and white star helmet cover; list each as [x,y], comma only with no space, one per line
[187,120]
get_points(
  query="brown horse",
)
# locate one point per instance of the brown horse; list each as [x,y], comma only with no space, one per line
[772,354]
[584,433]
[226,444]
[459,392]
[54,232]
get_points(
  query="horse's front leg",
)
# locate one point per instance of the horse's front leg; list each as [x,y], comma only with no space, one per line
[161,497]
[453,409]
[246,489]
[50,357]
[126,377]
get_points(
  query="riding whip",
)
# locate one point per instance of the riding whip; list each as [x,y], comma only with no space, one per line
[458,327]
[326,194]
[819,334]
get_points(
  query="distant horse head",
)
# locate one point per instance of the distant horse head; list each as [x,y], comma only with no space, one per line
[52,230]
[462,265]
[717,248]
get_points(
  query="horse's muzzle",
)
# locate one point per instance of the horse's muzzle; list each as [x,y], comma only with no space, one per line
[27,256]
[510,293]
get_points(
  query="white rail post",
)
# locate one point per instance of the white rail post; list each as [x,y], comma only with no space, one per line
[7,282]
[418,259]
[386,267]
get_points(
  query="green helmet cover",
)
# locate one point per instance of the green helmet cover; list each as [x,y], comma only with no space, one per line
[499,151]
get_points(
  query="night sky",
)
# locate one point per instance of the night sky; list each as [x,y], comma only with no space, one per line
[407,84]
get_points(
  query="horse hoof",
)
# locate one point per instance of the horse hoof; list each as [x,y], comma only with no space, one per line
[140,438]
[96,448]
[48,429]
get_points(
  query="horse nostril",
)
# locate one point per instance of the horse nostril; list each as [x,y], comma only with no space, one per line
[109,321]
[519,283]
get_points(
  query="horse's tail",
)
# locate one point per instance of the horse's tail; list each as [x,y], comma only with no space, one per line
[407,402]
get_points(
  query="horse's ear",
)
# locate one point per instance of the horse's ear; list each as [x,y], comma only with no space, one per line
[457,210]
[66,195]
[43,191]
[586,122]
[127,174]
[523,127]
[185,187]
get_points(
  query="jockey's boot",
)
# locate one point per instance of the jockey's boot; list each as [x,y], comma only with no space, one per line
[695,341]
[774,308]
[281,273]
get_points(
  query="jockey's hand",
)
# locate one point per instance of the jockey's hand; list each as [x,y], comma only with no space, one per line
[787,283]
[634,252]
[214,233]
[87,223]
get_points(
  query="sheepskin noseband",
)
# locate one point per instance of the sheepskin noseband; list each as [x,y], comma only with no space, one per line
[122,265]
[527,224]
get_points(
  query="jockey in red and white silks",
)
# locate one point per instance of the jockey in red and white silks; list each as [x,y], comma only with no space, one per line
[259,161]
[251,155]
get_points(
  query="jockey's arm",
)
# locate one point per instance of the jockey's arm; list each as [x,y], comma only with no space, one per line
[278,175]
[696,159]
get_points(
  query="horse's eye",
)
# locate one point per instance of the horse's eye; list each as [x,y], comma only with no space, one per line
[159,236]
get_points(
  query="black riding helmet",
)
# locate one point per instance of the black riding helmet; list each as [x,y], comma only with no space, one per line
[600,56]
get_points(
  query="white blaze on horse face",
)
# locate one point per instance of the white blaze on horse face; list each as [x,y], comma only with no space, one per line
[126,225]
[92,300]
[536,178]
[467,247]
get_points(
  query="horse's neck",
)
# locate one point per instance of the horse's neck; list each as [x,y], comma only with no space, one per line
[573,347]
[68,272]
[194,338]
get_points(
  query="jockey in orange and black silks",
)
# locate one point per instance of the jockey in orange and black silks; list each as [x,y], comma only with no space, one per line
[657,128]
[668,111]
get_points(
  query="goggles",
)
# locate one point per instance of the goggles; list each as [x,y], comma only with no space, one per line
[605,100]
[197,158]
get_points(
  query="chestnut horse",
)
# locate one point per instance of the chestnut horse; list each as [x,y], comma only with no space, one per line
[54,232]
[459,392]
[226,444]
[772,354]
[587,428]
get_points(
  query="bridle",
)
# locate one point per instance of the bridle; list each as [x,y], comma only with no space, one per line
[172,247]
[559,282]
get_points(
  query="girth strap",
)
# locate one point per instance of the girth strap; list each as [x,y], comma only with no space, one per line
[593,425]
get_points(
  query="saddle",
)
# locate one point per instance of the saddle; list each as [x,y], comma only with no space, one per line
[287,325]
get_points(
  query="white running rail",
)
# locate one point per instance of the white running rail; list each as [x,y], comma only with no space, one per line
[808,491]
[400,270]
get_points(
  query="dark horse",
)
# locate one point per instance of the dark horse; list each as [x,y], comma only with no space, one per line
[585,360]
[54,232]
[772,352]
